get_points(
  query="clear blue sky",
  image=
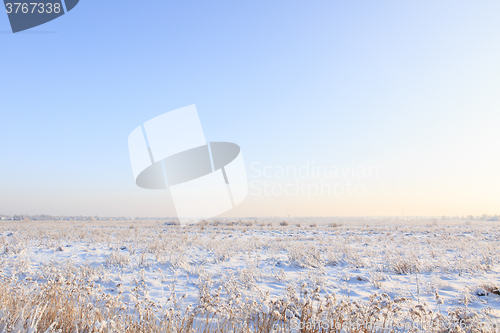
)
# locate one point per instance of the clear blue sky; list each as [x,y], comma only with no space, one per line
[412,87]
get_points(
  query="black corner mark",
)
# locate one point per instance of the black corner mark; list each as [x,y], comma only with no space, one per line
[26,14]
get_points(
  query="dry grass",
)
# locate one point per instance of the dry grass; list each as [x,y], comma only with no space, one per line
[70,298]
[68,306]
[492,288]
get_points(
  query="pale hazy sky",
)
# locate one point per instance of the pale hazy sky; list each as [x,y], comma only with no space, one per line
[411,89]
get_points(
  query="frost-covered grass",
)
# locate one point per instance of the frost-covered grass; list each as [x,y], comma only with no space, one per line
[247,276]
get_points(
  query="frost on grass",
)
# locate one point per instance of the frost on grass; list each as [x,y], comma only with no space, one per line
[247,276]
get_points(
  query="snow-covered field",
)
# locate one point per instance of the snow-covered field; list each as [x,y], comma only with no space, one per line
[250,275]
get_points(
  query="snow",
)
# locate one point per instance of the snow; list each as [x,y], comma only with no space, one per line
[441,265]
